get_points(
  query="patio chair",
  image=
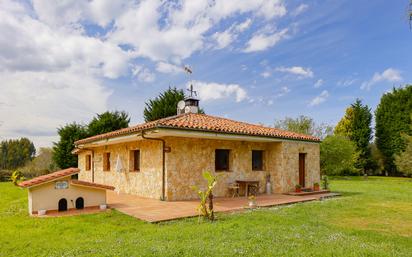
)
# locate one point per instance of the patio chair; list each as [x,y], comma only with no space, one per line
[253,189]
[234,189]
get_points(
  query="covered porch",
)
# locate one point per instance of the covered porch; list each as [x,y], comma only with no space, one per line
[152,210]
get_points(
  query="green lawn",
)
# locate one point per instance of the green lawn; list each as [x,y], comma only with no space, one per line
[372,218]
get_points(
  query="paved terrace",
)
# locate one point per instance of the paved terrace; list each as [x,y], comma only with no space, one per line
[153,210]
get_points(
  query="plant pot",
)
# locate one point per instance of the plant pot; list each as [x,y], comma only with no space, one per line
[316,188]
[41,212]
[103,207]
[252,204]
[298,190]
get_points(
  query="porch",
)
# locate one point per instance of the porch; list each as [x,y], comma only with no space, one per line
[152,210]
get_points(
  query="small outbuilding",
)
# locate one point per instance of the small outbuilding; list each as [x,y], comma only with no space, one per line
[62,191]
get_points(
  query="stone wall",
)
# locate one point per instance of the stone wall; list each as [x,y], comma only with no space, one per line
[147,182]
[190,157]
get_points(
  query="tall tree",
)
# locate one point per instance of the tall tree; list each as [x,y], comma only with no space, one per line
[164,105]
[15,153]
[356,125]
[392,118]
[403,160]
[107,122]
[304,125]
[62,150]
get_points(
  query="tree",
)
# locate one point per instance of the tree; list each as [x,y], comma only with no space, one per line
[356,125]
[403,160]
[337,156]
[107,122]
[164,105]
[62,150]
[15,153]
[392,118]
[304,125]
[41,164]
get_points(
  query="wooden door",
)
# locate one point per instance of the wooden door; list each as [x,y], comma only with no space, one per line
[302,169]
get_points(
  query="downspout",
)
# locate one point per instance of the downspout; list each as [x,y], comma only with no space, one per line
[163,162]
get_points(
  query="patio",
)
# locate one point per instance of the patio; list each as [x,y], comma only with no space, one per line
[152,210]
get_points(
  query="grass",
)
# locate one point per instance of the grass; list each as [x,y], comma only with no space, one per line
[372,218]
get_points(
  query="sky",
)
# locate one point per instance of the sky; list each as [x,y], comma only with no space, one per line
[253,60]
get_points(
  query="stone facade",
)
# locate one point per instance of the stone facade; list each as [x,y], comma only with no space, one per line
[190,157]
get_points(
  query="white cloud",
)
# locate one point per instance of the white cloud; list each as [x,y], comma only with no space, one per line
[263,41]
[143,74]
[297,70]
[346,82]
[318,83]
[320,98]
[300,9]
[283,91]
[215,91]
[388,75]
[35,104]
[225,38]
[266,74]
[165,67]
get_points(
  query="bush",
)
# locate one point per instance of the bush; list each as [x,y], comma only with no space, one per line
[5,175]
[338,156]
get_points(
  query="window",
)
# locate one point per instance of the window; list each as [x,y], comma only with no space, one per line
[61,185]
[257,160]
[88,162]
[106,161]
[222,160]
[135,160]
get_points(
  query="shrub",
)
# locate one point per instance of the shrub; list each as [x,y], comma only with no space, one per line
[338,156]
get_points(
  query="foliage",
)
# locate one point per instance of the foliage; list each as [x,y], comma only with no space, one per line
[15,153]
[337,156]
[304,125]
[392,118]
[325,182]
[16,177]
[344,126]
[107,122]
[164,105]
[62,150]
[102,123]
[5,175]
[372,218]
[41,164]
[377,160]
[403,160]
[356,125]
[206,196]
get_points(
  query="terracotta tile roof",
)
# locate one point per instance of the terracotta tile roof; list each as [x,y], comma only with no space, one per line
[49,177]
[90,184]
[203,122]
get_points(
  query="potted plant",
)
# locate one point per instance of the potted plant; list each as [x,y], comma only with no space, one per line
[316,187]
[298,188]
[252,201]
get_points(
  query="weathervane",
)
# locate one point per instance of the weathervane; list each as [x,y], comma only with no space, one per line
[189,72]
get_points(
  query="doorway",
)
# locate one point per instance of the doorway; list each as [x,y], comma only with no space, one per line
[79,203]
[302,157]
[63,205]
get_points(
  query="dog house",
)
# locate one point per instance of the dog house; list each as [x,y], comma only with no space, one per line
[61,191]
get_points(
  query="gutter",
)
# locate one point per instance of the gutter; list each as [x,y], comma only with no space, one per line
[163,197]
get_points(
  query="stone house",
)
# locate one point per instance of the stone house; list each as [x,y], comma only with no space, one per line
[163,159]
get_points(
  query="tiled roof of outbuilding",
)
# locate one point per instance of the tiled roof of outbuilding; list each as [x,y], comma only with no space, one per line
[90,184]
[206,123]
[49,177]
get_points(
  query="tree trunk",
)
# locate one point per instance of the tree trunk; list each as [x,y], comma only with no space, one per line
[212,215]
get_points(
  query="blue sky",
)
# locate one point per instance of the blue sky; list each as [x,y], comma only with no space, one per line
[254,61]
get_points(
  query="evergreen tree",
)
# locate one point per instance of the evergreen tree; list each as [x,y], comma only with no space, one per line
[62,150]
[15,153]
[164,105]
[356,125]
[392,117]
[107,122]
